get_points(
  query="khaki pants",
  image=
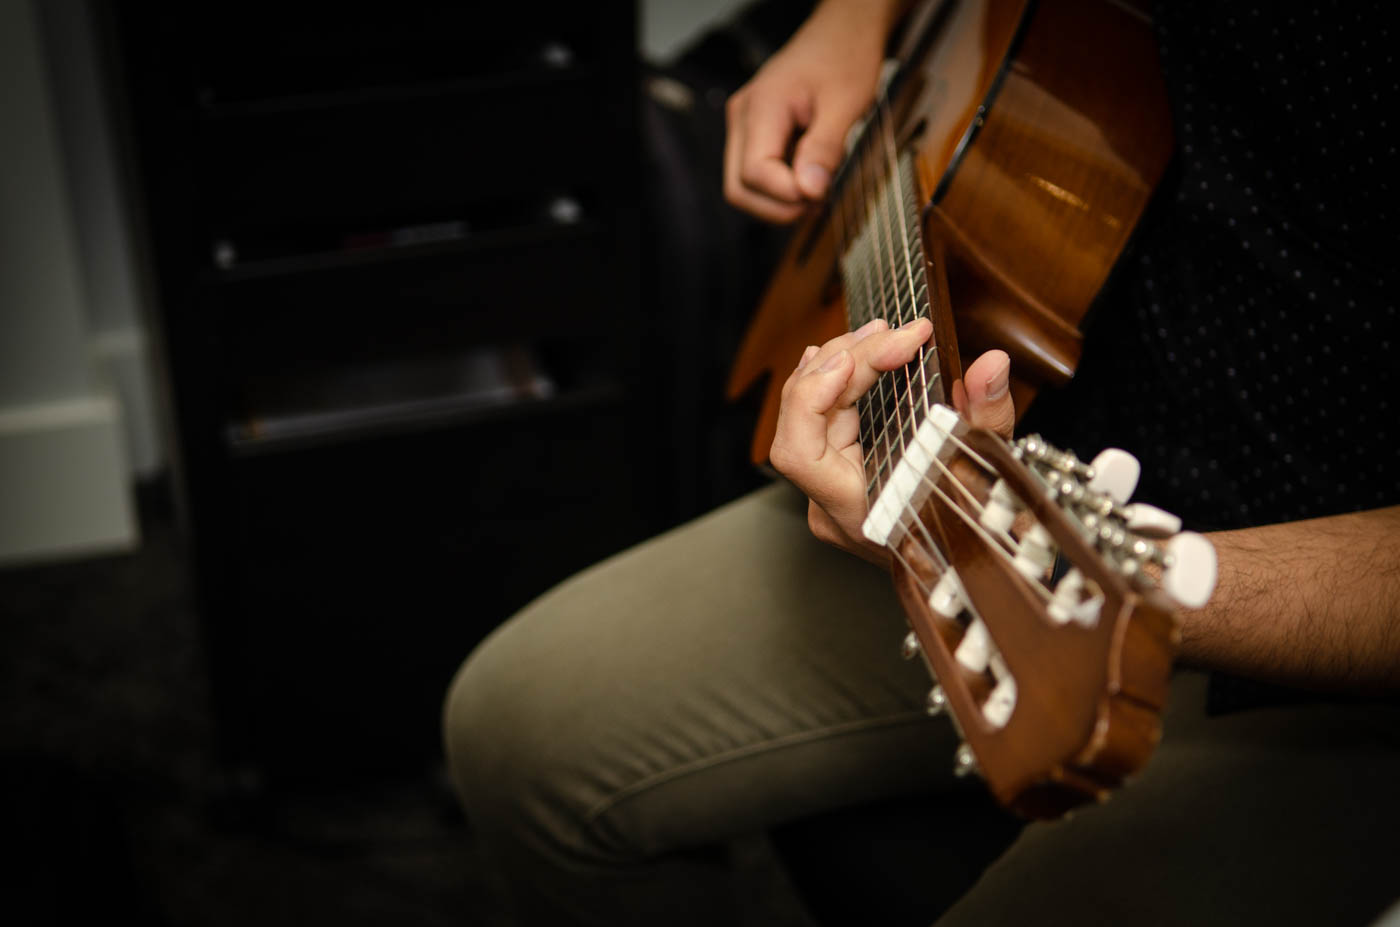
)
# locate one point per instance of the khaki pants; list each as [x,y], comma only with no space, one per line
[735,674]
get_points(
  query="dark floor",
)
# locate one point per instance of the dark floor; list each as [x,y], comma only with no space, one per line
[118,809]
[111,799]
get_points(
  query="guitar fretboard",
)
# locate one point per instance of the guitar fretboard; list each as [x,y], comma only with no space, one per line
[884,275]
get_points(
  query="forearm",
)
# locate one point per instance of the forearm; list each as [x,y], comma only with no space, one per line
[1310,603]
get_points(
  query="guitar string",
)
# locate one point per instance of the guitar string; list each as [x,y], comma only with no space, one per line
[848,234]
[879,218]
[889,398]
[858,280]
[883,217]
[884,469]
[889,278]
[929,547]
[897,178]
[1001,541]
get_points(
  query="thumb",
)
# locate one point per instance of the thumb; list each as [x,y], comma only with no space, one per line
[988,385]
[821,149]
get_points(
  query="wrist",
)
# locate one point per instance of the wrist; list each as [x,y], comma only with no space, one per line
[859,24]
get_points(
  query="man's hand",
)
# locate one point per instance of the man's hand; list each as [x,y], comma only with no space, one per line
[815,87]
[817,442]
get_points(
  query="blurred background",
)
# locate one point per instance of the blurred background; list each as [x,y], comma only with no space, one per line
[329,337]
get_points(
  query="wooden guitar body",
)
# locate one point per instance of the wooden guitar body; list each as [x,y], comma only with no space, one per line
[993,186]
[1039,131]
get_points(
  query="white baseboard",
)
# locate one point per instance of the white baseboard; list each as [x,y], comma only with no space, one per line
[63,485]
[123,365]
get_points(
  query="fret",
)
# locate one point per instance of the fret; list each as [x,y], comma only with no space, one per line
[884,275]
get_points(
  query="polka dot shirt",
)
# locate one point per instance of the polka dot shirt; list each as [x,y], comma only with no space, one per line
[1245,348]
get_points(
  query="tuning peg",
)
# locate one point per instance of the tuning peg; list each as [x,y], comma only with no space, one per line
[1035,553]
[910,648]
[936,702]
[964,761]
[1190,574]
[946,598]
[1000,510]
[975,647]
[1150,521]
[1001,702]
[1066,599]
[1116,474]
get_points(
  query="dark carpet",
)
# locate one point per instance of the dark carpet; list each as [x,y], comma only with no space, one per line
[114,810]
[113,805]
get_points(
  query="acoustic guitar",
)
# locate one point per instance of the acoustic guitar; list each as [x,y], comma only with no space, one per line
[991,187]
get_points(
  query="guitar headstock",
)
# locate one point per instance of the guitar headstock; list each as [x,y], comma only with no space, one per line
[1044,603]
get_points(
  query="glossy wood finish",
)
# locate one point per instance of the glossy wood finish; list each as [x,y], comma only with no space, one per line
[1040,131]
[1088,698]
[1050,189]
[1033,214]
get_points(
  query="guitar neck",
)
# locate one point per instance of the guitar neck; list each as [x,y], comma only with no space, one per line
[889,271]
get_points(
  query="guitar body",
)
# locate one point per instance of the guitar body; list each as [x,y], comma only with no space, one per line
[993,186]
[1039,131]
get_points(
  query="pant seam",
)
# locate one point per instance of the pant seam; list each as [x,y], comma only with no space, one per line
[708,762]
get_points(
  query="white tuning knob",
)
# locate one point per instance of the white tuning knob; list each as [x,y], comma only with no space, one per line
[1000,510]
[1035,553]
[975,648]
[946,598]
[1191,577]
[1068,603]
[1001,702]
[1115,474]
[1066,599]
[1150,521]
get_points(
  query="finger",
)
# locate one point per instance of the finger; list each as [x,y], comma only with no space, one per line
[988,385]
[768,124]
[806,357]
[822,146]
[738,195]
[825,528]
[843,428]
[843,343]
[799,441]
[881,352]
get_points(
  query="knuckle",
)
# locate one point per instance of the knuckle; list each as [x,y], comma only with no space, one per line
[779,456]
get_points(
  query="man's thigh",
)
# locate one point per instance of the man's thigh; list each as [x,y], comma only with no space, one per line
[1279,816]
[726,676]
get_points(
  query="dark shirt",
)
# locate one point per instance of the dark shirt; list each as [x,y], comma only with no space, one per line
[1244,348]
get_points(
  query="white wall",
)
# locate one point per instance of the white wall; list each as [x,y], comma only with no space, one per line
[669,25]
[64,474]
[83,111]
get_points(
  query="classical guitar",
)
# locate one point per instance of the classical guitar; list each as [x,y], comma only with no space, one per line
[991,188]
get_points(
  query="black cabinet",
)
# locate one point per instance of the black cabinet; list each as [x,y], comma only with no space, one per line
[395,255]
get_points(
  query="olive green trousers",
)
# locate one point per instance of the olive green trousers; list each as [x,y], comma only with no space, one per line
[735,674]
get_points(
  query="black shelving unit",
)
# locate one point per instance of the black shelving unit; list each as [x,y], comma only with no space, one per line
[395,254]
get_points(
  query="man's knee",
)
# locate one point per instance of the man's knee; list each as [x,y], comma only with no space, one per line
[512,753]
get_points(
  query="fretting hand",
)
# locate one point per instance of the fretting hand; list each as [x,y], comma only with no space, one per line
[817,444]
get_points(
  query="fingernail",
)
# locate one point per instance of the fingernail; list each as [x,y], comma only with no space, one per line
[807,355]
[870,328]
[814,178]
[833,362]
[907,326]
